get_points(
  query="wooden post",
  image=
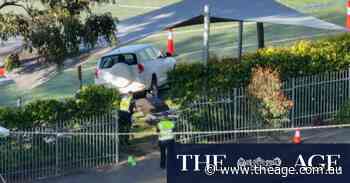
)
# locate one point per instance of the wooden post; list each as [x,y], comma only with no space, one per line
[240,40]
[260,35]
[206,16]
[80,76]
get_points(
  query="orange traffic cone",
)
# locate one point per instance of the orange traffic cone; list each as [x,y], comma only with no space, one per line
[171,46]
[297,137]
[2,72]
[348,15]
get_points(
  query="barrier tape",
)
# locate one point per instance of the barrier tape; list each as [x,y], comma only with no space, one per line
[62,134]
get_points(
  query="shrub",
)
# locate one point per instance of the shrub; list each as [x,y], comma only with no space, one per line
[96,99]
[267,97]
[91,100]
[301,59]
[44,112]
[11,62]
[15,118]
[343,115]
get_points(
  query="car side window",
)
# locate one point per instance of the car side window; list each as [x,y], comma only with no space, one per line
[157,52]
[110,61]
[151,54]
[144,56]
[107,62]
[129,59]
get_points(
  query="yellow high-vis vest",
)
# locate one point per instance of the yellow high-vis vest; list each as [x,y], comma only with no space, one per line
[125,103]
[166,128]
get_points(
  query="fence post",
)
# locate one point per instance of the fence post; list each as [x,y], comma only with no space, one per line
[116,118]
[292,117]
[56,151]
[235,113]
[348,82]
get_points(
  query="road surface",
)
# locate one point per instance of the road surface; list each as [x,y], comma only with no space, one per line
[146,171]
[9,46]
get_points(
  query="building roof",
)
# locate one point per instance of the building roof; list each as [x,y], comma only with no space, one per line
[189,12]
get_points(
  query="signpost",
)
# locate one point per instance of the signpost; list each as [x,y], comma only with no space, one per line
[240,40]
[206,34]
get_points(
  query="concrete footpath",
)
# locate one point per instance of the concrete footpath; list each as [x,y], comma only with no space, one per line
[146,171]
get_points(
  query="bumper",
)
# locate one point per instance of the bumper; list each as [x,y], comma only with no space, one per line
[134,87]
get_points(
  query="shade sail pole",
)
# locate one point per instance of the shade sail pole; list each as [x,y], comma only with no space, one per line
[240,40]
[260,35]
[206,33]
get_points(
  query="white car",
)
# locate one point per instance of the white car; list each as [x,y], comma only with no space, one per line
[134,68]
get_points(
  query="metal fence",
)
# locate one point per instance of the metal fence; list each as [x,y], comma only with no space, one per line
[92,142]
[66,147]
[316,100]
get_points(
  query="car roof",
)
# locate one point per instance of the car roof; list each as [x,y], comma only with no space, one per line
[128,49]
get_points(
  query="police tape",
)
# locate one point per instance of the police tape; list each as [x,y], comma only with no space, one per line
[63,134]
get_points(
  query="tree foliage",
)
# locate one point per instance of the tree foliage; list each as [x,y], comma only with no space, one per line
[57,30]
[268,98]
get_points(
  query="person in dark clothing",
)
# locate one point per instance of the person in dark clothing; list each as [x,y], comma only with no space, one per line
[164,150]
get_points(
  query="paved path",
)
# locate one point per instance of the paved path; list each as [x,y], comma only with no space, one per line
[146,171]
[314,136]
[10,46]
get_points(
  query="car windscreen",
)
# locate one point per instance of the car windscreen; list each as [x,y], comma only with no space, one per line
[110,61]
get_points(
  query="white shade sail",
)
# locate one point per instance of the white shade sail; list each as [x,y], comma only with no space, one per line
[189,12]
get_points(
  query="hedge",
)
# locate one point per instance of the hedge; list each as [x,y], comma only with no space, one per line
[88,101]
[301,59]
[343,115]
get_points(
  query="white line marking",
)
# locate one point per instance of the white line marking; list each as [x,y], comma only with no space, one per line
[190,31]
[139,7]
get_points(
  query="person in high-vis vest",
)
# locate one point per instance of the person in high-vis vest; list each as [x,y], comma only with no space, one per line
[126,109]
[166,139]
[126,103]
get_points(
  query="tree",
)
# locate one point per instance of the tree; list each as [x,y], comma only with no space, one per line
[56,31]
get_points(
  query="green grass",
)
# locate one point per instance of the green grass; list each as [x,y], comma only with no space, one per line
[223,41]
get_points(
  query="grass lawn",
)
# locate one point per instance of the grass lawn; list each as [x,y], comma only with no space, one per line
[188,41]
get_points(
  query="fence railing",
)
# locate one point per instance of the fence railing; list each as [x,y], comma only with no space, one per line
[316,100]
[92,142]
[63,148]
